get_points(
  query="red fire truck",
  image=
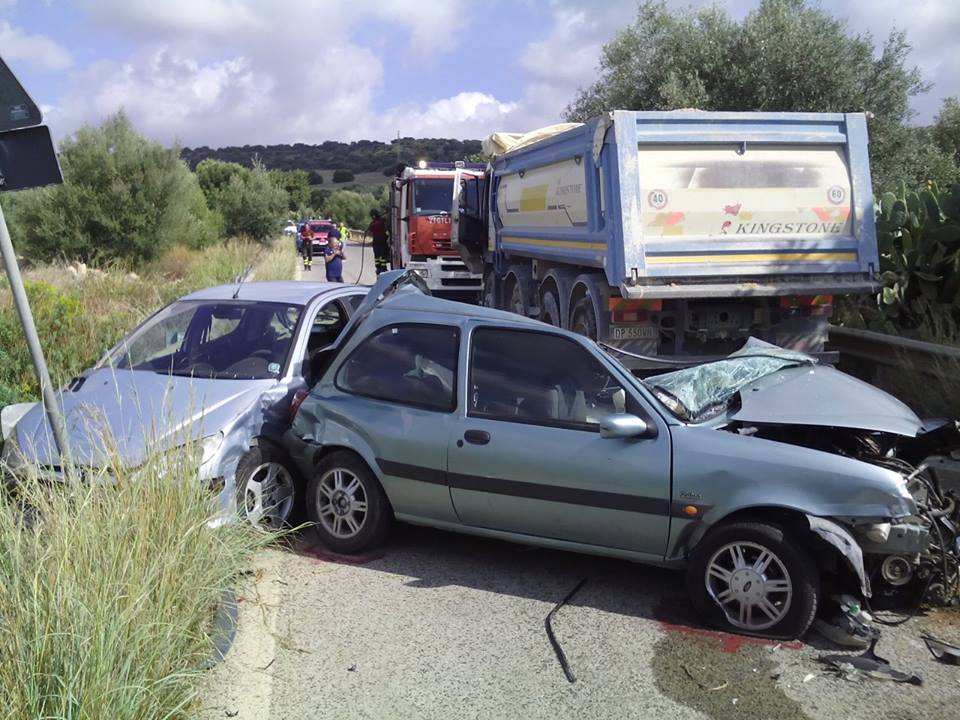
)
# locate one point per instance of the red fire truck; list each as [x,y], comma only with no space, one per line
[420,201]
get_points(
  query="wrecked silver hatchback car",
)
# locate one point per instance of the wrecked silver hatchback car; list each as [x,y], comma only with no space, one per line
[216,370]
[773,480]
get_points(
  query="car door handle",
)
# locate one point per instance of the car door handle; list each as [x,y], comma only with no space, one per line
[477,437]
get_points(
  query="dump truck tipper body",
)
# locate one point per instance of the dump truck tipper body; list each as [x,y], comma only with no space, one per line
[677,234]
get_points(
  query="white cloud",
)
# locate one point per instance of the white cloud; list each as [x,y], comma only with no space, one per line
[931,26]
[219,72]
[465,115]
[38,51]
[222,72]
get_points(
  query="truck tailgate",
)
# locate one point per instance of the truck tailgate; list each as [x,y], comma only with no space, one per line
[721,197]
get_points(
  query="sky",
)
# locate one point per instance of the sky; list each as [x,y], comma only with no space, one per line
[247,72]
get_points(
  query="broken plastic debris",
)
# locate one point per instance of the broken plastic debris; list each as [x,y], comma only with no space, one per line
[944,652]
[869,664]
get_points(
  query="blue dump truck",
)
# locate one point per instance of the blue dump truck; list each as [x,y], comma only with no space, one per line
[674,236]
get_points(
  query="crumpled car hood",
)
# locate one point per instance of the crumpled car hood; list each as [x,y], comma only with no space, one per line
[822,396]
[123,413]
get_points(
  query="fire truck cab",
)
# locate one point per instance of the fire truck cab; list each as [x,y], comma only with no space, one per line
[420,227]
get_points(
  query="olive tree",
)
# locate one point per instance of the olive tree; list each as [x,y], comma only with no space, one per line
[123,196]
[786,55]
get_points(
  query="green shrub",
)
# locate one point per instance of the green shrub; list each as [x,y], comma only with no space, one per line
[123,197]
[251,202]
[918,234]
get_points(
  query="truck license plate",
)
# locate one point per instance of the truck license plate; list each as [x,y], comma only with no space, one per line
[633,332]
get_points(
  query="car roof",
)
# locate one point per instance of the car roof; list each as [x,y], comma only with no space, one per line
[413,301]
[285,291]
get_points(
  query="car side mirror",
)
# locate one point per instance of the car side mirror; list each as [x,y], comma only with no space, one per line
[624,425]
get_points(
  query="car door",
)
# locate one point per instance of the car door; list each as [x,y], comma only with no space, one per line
[528,456]
[394,399]
[319,328]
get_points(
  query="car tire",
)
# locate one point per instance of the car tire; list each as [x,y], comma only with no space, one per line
[550,308]
[268,489]
[347,505]
[517,300]
[753,578]
[583,321]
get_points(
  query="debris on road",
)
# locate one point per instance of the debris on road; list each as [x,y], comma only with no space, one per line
[944,652]
[561,657]
[870,665]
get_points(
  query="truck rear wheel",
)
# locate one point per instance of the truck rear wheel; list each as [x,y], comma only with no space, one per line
[583,321]
[517,299]
[550,308]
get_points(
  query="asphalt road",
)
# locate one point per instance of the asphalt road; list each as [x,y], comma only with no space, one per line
[439,625]
[358,266]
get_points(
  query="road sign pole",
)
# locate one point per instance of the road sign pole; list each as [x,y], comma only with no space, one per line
[33,343]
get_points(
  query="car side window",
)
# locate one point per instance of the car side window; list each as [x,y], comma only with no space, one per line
[354,301]
[539,378]
[327,325]
[407,364]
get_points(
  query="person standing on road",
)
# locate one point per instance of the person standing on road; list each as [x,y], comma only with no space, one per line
[343,233]
[307,242]
[377,230]
[333,257]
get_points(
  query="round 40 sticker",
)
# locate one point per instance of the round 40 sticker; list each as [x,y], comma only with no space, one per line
[657,199]
[836,194]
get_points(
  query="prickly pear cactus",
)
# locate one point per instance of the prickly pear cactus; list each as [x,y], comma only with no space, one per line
[918,234]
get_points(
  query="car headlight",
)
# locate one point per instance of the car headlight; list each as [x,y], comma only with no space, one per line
[210,446]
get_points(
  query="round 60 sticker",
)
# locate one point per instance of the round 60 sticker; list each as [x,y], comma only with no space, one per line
[657,199]
[836,194]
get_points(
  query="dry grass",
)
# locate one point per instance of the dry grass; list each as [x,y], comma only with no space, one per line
[106,601]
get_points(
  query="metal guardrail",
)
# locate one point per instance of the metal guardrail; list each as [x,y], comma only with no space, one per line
[891,350]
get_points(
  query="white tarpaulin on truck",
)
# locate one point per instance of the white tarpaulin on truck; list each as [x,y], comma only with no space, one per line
[502,142]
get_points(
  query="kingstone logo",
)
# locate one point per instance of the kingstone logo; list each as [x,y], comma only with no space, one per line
[785,228]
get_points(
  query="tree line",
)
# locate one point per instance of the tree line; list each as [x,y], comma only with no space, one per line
[346,159]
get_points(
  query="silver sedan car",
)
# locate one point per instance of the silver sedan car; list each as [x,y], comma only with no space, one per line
[773,480]
[218,368]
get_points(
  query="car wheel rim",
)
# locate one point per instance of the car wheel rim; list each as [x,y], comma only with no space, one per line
[268,496]
[342,503]
[750,584]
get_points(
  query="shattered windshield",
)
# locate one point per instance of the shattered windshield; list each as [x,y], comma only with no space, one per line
[228,340]
[697,393]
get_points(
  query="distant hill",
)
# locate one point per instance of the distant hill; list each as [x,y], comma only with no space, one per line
[362,156]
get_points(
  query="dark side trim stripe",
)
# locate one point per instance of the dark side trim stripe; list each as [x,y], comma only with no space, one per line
[552,493]
[412,472]
[538,491]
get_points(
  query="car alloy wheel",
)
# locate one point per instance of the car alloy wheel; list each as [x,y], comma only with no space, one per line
[750,584]
[341,503]
[268,496]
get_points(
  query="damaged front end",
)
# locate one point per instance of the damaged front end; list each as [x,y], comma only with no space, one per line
[908,559]
[782,396]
